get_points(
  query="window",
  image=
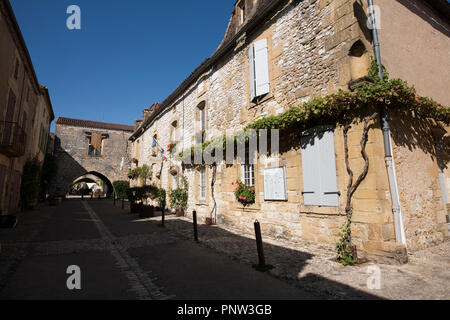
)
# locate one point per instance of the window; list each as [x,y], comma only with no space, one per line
[242,11]
[248,174]
[202,118]
[319,168]
[16,70]
[174,132]
[174,181]
[259,69]
[201,86]
[95,144]
[202,184]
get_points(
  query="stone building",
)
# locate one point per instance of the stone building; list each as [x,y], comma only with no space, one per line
[277,54]
[87,148]
[26,111]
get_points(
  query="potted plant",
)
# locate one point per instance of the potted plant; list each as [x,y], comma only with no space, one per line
[135,196]
[178,198]
[149,192]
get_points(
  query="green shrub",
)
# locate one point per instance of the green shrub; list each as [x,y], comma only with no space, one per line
[31,182]
[121,188]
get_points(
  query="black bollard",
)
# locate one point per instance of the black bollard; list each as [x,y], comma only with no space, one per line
[259,245]
[194,215]
[92,196]
[123,203]
[114,195]
[163,215]
[82,196]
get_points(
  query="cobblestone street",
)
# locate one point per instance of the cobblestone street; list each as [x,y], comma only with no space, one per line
[120,258]
[124,257]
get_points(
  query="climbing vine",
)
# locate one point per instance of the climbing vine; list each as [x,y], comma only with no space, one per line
[343,107]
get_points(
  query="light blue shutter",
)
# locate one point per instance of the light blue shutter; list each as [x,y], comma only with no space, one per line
[251,54]
[319,169]
[328,179]
[311,180]
[262,67]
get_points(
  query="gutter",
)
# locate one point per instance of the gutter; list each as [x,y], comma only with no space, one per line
[205,65]
[390,165]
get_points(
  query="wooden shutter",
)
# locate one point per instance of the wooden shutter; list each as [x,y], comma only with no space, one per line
[311,183]
[251,54]
[9,118]
[262,68]
[2,181]
[319,169]
[97,142]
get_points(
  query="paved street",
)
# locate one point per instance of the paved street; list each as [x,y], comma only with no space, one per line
[121,258]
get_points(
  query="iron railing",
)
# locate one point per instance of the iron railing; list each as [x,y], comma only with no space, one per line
[12,139]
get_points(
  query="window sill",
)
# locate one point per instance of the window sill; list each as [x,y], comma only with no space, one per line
[260,100]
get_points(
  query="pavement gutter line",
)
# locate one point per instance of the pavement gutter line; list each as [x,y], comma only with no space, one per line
[138,279]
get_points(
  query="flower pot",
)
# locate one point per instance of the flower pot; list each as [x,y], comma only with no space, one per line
[147,212]
[180,212]
[136,207]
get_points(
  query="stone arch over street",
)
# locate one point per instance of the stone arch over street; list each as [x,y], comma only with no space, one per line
[89,150]
[99,179]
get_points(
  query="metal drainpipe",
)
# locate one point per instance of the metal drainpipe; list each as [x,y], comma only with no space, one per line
[390,165]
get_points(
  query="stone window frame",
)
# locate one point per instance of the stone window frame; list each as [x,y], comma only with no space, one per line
[88,135]
[241,8]
[197,177]
[201,81]
[257,177]
[203,105]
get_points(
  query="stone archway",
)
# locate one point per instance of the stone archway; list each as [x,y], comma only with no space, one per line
[96,177]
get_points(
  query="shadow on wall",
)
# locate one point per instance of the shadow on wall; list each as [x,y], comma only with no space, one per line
[416,133]
[426,13]
[287,262]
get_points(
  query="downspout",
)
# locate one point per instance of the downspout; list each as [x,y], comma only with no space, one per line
[390,165]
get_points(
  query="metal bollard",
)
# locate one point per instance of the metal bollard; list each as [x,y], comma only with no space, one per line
[92,196]
[123,203]
[114,195]
[194,215]
[259,245]
[82,196]
[163,215]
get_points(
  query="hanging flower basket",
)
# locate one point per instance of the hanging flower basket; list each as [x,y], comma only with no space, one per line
[171,147]
[243,193]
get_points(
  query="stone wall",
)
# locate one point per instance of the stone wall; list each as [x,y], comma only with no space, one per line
[71,149]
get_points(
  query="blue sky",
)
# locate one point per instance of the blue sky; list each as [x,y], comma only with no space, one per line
[127,55]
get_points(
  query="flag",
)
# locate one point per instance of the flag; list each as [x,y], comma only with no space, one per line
[155,143]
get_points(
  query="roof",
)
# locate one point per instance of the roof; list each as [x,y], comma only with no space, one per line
[93,124]
[262,10]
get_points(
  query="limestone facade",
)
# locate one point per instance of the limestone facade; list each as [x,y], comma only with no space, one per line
[25,111]
[314,47]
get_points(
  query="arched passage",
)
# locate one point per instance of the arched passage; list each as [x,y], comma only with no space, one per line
[95,178]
